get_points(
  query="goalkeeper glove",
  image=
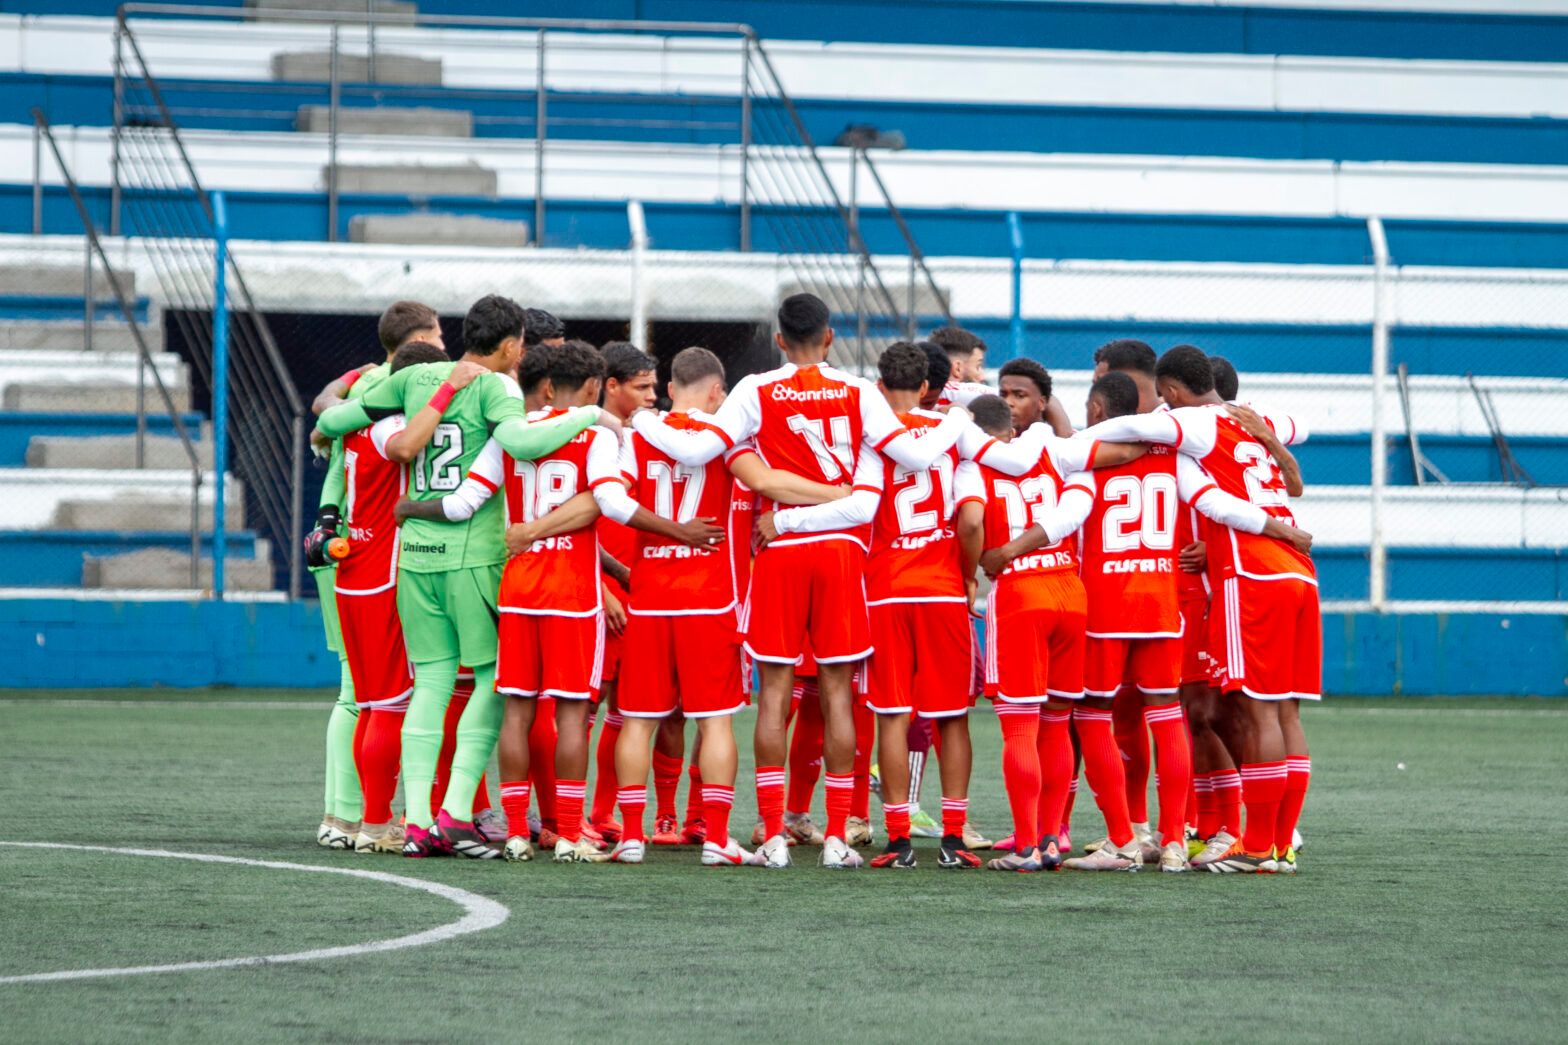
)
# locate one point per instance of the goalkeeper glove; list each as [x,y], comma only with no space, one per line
[323,546]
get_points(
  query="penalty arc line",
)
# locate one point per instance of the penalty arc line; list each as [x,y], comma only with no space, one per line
[480,913]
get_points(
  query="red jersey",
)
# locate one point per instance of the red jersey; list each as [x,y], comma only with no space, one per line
[914,548]
[670,578]
[1012,504]
[372,485]
[558,575]
[1129,548]
[620,541]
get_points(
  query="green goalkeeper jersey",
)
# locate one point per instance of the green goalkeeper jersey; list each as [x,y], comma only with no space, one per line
[489,405]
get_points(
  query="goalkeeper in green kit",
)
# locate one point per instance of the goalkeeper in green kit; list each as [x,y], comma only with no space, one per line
[449,574]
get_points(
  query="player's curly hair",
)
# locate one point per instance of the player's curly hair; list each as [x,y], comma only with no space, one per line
[992,414]
[624,360]
[1030,369]
[955,341]
[1118,392]
[573,364]
[1188,365]
[491,320]
[1126,354]
[903,367]
[939,368]
[540,326]
[1226,381]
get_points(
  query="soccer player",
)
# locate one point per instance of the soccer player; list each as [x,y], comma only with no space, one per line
[919,607]
[449,574]
[1267,634]
[809,418]
[1135,359]
[967,353]
[541,328]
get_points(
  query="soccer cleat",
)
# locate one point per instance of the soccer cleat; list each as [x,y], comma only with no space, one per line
[1195,846]
[591,834]
[1050,853]
[801,830]
[837,854]
[1022,863]
[323,831]
[1296,841]
[492,825]
[419,842]
[1128,857]
[954,855]
[876,780]
[1173,858]
[973,839]
[857,831]
[339,834]
[609,830]
[759,834]
[1285,863]
[694,832]
[547,838]
[1064,840]
[518,849]
[1096,845]
[921,825]
[581,851]
[378,838]
[1214,849]
[462,838]
[535,826]
[775,852]
[899,855]
[665,831]
[731,855]
[1004,845]
[1238,861]
[1145,836]
[627,851]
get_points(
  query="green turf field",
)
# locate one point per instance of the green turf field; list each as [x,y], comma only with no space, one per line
[1430,906]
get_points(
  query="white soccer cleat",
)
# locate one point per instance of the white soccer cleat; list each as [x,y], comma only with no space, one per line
[1296,841]
[339,834]
[731,855]
[973,839]
[775,852]
[1128,857]
[857,831]
[921,825]
[518,849]
[323,831]
[581,851]
[1145,836]
[627,851]
[1173,858]
[801,830]
[1216,849]
[1285,863]
[379,838]
[837,854]
[492,825]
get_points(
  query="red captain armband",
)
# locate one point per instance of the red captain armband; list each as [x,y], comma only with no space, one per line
[442,397]
[349,378]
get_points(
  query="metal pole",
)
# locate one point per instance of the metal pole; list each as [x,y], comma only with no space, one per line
[911,326]
[38,181]
[1015,326]
[370,40]
[638,332]
[297,506]
[540,115]
[114,136]
[858,246]
[89,306]
[220,388]
[1378,582]
[745,144]
[334,91]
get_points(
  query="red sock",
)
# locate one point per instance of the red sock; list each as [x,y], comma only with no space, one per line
[1227,800]
[541,761]
[1072,796]
[1132,743]
[381,744]
[482,794]
[1102,769]
[569,795]
[604,791]
[1262,787]
[865,741]
[1208,810]
[955,811]
[633,799]
[1058,776]
[454,711]
[717,800]
[1298,774]
[696,798]
[1169,727]
[838,792]
[1021,728]
[805,750]
[770,799]
[666,781]
[514,803]
[896,816]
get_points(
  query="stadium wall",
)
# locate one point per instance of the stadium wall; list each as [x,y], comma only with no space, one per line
[69,643]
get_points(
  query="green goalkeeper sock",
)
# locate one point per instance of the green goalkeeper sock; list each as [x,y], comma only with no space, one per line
[422,727]
[477,732]
[342,793]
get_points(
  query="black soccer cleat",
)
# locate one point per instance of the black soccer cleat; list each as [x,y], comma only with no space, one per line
[899,855]
[1050,854]
[463,839]
[953,855]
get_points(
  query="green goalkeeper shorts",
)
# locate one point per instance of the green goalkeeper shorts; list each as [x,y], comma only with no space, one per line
[450,614]
[326,577]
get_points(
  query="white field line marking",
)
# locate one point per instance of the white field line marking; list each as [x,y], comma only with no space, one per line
[480,913]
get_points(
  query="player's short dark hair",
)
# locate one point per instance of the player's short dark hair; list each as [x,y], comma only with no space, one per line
[1226,381]
[957,342]
[540,326]
[573,364]
[1030,369]
[992,414]
[1189,365]
[803,319]
[1127,354]
[418,352]
[535,367]
[491,320]
[694,365]
[624,360]
[401,319]
[939,368]
[903,367]
[1119,393]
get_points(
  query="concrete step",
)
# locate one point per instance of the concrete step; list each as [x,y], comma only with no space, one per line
[415,179]
[117,451]
[462,230]
[393,11]
[87,398]
[165,568]
[316,67]
[66,336]
[17,278]
[135,511]
[406,121]
[113,499]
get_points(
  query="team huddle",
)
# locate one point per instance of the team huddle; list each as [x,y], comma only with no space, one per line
[510,542]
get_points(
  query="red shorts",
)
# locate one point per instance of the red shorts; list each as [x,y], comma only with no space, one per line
[687,663]
[1195,641]
[1153,665]
[613,644]
[816,589]
[923,659]
[1266,638]
[545,655]
[1036,653]
[373,644]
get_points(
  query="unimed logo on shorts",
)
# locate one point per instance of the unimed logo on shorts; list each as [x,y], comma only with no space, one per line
[424,549]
